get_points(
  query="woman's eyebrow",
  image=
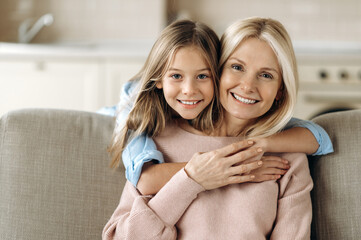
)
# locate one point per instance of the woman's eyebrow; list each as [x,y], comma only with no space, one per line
[270,69]
[237,59]
[263,68]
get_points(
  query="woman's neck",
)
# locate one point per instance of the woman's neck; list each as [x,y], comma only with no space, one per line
[231,127]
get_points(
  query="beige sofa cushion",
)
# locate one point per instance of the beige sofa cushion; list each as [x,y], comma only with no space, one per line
[55,182]
[336,197]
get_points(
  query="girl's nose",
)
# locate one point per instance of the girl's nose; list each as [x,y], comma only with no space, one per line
[189,87]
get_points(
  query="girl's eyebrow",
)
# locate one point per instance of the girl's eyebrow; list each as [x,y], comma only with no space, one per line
[176,69]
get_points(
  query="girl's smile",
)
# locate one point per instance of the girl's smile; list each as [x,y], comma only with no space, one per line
[187,85]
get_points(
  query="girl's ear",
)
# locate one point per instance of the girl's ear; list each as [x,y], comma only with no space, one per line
[159,85]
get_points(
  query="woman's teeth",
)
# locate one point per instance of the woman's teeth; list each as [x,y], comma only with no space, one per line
[244,100]
[189,102]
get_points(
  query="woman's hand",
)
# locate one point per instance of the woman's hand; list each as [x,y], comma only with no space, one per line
[225,166]
[273,168]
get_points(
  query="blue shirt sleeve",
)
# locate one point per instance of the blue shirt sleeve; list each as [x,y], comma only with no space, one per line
[324,141]
[138,151]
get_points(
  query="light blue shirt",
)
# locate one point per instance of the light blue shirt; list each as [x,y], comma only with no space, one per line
[142,148]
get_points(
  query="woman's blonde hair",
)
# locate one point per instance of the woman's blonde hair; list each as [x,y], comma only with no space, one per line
[151,112]
[274,33]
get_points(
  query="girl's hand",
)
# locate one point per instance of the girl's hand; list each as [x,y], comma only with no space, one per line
[225,166]
[273,168]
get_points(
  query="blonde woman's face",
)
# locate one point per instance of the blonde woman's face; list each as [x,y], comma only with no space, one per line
[250,81]
[187,85]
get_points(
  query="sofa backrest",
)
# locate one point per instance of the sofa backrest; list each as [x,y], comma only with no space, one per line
[336,197]
[55,180]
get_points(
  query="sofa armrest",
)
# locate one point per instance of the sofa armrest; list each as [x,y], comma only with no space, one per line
[55,180]
[337,179]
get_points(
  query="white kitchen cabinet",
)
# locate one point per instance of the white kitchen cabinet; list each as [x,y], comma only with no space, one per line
[79,77]
[50,84]
[117,72]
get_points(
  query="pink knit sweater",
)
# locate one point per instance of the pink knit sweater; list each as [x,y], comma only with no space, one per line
[182,209]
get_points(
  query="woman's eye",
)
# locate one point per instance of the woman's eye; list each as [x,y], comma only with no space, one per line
[176,76]
[202,76]
[267,75]
[237,67]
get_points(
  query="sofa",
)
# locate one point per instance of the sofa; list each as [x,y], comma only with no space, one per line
[55,180]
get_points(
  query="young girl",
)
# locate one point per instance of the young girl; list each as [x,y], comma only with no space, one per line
[258,89]
[147,118]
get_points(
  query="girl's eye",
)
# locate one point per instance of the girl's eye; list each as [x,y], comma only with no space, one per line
[237,67]
[176,76]
[202,76]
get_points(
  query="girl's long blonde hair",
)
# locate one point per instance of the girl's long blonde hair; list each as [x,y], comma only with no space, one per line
[274,33]
[150,111]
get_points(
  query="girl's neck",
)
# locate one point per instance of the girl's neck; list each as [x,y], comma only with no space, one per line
[184,124]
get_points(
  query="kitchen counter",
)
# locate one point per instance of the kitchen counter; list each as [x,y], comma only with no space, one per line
[140,49]
[129,49]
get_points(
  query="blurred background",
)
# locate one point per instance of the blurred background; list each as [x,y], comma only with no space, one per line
[76,54]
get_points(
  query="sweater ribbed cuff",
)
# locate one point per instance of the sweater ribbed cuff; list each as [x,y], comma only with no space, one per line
[175,197]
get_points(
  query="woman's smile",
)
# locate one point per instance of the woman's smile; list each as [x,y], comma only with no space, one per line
[243,99]
[250,81]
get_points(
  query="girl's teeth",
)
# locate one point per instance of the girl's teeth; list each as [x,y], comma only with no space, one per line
[188,102]
[244,100]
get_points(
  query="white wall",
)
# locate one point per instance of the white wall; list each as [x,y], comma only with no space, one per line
[306,20]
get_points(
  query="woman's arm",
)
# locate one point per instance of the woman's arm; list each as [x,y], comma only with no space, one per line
[146,217]
[294,211]
[299,136]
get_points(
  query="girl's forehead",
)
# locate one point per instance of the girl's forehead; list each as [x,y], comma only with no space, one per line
[191,53]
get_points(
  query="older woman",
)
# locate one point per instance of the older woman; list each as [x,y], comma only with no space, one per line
[258,88]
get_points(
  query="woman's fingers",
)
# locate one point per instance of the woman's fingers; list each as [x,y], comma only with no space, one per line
[242,156]
[234,148]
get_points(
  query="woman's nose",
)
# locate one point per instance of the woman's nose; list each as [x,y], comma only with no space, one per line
[248,84]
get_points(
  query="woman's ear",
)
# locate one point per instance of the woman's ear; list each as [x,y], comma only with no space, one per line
[280,93]
[159,85]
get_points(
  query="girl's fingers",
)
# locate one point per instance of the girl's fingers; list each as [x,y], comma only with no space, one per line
[263,178]
[269,171]
[245,168]
[275,164]
[240,179]
[274,158]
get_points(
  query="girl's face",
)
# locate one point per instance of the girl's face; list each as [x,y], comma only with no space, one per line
[187,84]
[250,81]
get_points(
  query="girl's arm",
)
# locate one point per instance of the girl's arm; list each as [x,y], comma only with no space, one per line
[324,142]
[299,136]
[140,149]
